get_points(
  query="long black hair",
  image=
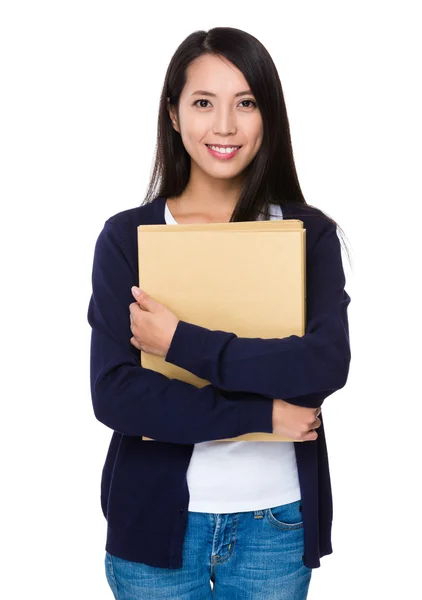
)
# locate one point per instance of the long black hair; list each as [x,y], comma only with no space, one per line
[271,177]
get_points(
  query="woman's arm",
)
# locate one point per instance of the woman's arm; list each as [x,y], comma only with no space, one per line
[136,401]
[289,368]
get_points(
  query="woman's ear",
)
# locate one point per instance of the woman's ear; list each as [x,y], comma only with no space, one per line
[172,114]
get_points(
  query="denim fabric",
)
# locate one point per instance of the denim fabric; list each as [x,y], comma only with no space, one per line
[255,555]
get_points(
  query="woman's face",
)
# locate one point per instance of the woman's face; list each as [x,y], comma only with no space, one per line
[211,113]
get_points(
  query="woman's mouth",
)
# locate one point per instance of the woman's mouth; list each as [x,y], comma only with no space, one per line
[223,153]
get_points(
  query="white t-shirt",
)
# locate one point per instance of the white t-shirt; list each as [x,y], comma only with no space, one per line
[228,477]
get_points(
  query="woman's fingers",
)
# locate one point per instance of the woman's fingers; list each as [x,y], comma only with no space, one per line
[135,343]
[315,424]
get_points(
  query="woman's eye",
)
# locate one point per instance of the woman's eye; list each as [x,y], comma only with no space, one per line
[204,100]
[201,100]
[254,103]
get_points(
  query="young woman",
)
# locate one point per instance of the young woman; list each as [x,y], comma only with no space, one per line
[253,518]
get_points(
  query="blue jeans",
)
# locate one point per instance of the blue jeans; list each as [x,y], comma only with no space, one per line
[255,555]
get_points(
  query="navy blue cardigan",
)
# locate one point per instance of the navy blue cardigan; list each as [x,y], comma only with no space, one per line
[144,492]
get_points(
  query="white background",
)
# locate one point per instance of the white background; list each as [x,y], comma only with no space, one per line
[80,90]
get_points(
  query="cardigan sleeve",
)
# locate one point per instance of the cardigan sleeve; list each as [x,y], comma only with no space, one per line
[292,368]
[308,400]
[136,401]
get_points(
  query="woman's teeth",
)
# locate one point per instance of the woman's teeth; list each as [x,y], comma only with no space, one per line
[223,150]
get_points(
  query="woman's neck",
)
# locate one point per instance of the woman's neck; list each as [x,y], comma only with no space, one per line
[213,198]
[185,211]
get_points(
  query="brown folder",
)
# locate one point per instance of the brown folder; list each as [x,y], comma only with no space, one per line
[247,278]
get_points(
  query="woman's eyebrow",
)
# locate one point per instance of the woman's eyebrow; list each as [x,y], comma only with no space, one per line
[205,93]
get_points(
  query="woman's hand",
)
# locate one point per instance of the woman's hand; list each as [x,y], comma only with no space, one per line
[152,324]
[297,422]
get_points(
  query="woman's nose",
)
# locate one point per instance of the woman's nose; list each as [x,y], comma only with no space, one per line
[224,123]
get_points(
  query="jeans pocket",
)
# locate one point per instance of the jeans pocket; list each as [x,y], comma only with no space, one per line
[286,516]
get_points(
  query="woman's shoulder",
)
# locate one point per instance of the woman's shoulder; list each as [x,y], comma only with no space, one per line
[315,221]
[310,214]
[122,226]
[145,214]
[297,210]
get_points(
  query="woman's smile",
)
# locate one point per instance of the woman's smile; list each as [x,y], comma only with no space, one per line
[223,153]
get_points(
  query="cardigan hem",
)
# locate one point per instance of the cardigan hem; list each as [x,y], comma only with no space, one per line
[139,546]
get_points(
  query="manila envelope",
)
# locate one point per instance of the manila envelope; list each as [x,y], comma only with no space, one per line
[251,284]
